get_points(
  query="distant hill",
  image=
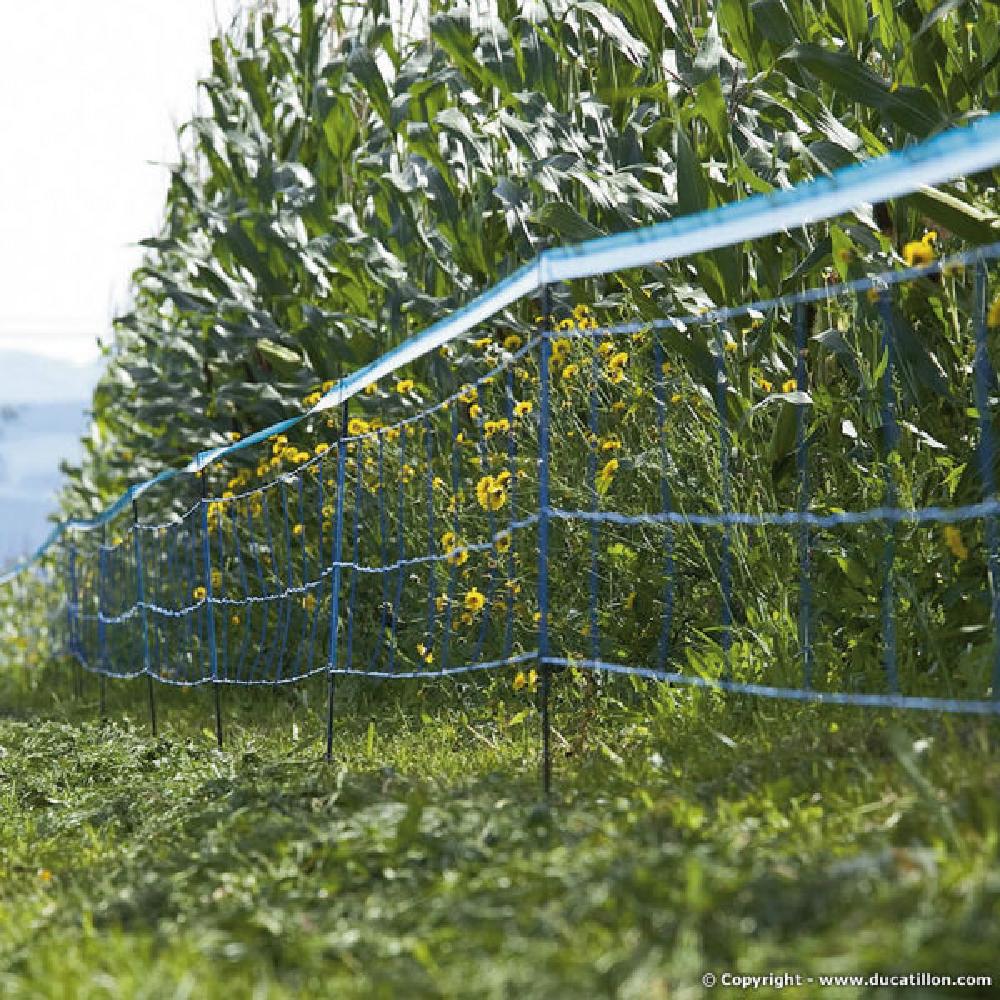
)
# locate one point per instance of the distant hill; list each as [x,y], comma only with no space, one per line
[49,399]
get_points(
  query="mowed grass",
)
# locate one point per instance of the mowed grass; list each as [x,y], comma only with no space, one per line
[686,833]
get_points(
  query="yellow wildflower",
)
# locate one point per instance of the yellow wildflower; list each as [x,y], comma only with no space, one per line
[993,316]
[607,475]
[450,542]
[500,426]
[491,493]
[560,348]
[953,539]
[918,252]
[474,601]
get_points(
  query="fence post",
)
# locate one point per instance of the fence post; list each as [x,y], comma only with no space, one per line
[206,548]
[802,463]
[543,538]
[890,438]
[140,590]
[987,456]
[71,613]
[337,558]
[102,628]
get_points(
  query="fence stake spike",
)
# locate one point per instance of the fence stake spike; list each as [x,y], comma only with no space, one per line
[140,590]
[209,610]
[103,628]
[543,539]
[338,540]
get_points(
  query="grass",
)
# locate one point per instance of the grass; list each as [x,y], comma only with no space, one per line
[687,833]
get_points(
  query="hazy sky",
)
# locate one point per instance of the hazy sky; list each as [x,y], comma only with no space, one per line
[91,94]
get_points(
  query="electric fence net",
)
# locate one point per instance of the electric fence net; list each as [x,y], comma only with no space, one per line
[793,497]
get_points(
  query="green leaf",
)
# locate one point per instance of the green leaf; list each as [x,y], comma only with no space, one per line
[692,186]
[711,105]
[282,359]
[957,216]
[565,221]
[362,64]
[736,21]
[851,17]
[774,22]
[612,26]
[910,108]
[784,434]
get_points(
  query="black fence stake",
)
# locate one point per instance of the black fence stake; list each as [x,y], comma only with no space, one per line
[338,541]
[102,681]
[140,590]
[209,610]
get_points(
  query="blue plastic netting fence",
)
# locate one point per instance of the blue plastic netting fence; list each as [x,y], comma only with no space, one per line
[649,495]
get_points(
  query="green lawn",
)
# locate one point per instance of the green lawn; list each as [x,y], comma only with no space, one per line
[687,833]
